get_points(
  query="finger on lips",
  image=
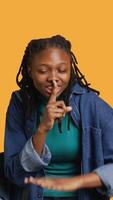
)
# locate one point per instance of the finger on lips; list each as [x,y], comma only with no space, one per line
[54,92]
[59,104]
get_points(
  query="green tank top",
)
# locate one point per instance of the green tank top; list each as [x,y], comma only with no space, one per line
[65,151]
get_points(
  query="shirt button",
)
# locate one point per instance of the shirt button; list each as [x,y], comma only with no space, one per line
[39,196]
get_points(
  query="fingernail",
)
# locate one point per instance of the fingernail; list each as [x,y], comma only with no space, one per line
[30,178]
[26,180]
[63,115]
[70,108]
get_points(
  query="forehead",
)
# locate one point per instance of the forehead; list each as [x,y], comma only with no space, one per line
[51,55]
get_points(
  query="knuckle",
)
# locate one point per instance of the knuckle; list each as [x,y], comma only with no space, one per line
[48,107]
[62,102]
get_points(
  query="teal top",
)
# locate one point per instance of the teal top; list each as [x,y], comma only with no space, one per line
[65,151]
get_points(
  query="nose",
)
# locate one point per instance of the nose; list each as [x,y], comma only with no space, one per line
[53,76]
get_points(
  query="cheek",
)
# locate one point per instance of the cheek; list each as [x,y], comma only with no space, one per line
[37,78]
[39,81]
[67,78]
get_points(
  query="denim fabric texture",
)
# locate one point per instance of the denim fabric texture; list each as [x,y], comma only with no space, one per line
[91,115]
[60,198]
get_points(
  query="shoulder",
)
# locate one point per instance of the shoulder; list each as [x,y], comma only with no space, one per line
[21,101]
[94,100]
[17,95]
[20,95]
[17,100]
[89,99]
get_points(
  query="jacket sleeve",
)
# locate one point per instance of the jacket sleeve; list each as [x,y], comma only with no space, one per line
[105,172]
[30,160]
[21,160]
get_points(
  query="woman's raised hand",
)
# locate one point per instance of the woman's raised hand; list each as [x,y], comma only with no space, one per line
[55,110]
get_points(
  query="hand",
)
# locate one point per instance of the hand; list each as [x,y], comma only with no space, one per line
[60,184]
[90,180]
[55,110]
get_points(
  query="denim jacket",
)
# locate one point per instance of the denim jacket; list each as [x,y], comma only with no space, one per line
[91,115]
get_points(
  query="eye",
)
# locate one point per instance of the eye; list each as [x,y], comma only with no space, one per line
[62,70]
[42,71]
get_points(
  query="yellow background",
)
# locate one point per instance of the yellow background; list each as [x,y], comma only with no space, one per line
[88,24]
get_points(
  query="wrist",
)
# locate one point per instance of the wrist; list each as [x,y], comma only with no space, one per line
[90,180]
[42,129]
[40,133]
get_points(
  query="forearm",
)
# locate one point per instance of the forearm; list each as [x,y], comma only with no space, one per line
[39,139]
[90,180]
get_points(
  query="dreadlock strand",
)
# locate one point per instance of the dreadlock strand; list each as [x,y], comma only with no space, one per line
[80,77]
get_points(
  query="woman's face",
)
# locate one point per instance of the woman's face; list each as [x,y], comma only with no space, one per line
[48,65]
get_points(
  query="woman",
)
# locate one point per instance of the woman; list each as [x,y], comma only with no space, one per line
[57,126]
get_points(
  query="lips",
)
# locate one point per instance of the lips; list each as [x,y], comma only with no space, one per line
[49,89]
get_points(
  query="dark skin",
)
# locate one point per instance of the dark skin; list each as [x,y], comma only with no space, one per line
[48,65]
[50,71]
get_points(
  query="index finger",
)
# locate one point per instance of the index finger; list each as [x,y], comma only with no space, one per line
[54,92]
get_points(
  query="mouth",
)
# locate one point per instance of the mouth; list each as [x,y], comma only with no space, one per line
[49,89]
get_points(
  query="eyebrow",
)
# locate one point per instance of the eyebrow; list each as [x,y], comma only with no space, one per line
[45,64]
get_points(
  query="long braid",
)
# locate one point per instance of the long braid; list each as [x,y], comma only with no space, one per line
[80,77]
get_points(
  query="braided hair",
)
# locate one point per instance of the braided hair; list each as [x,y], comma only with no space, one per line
[37,45]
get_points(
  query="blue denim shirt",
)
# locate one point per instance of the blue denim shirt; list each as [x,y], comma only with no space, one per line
[91,115]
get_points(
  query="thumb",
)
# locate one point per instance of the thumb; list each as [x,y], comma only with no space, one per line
[68,109]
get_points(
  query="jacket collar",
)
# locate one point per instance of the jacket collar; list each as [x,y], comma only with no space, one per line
[78,89]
